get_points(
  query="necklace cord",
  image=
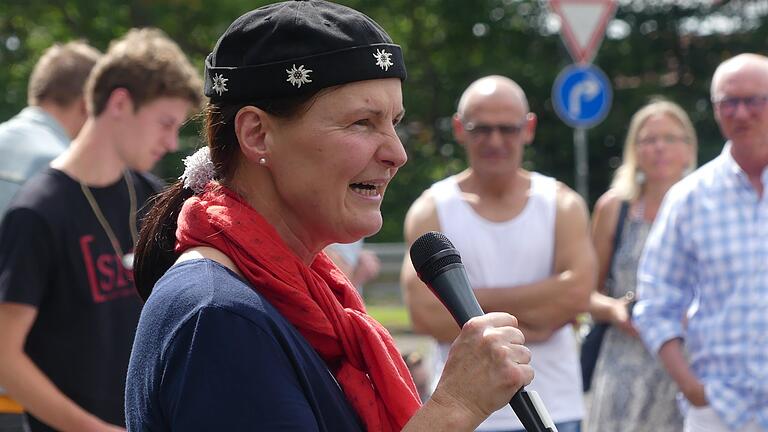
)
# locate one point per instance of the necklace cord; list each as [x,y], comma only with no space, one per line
[103,220]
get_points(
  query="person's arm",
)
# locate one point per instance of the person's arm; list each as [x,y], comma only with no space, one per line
[665,290]
[25,263]
[551,303]
[602,307]
[367,268]
[487,364]
[428,315]
[541,307]
[673,358]
[28,385]
[341,262]
[614,311]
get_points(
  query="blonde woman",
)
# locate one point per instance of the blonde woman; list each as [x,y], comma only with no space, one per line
[631,390]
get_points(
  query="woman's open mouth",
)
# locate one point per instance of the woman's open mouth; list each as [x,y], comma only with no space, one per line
[367,189]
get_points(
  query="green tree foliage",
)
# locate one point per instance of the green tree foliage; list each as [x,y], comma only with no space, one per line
[665,48]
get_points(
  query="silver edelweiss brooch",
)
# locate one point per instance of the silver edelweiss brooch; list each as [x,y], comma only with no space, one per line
[383,59]
[220,84]
[298,76]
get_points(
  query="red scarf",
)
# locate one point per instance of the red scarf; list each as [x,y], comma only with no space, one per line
[318,300]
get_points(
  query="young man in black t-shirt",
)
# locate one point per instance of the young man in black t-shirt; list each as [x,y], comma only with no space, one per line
[37,134]
[68,308]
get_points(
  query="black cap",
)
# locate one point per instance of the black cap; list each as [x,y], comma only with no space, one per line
[295,47]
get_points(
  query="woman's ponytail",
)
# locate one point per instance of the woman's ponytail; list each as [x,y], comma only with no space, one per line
[155,253]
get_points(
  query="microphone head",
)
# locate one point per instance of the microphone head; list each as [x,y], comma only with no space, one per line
[431,254]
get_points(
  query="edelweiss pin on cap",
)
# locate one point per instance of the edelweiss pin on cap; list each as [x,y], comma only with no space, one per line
[290,48]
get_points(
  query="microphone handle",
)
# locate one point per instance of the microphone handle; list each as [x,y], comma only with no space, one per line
[463,305]
[522,402]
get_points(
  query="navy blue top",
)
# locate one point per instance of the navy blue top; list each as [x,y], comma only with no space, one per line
[212,354]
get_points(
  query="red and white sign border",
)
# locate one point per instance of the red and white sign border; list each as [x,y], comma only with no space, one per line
[586,54]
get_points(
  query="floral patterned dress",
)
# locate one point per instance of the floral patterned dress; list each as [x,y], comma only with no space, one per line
[631,391]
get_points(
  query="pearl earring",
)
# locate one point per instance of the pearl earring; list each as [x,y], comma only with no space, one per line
[262,161]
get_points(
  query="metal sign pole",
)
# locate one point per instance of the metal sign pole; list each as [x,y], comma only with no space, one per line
[582,162]
[581,97]
[582,93]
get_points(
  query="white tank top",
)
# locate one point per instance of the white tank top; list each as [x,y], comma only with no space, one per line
[510,253]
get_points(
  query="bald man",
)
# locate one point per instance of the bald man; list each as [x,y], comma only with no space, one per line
[707,257]
[523,239]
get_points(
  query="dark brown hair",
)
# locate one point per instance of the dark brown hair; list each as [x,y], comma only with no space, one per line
[155,252]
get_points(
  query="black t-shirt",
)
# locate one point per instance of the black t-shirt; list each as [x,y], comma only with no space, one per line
[55,255]
[211,354]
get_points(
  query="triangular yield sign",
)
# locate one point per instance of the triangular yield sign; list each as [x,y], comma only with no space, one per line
[583,25]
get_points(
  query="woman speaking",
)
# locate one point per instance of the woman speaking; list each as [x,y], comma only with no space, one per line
[247,324]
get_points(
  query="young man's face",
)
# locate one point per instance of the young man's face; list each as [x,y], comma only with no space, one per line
[153,131]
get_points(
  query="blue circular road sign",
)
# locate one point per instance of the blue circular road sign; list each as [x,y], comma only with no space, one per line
[582,95]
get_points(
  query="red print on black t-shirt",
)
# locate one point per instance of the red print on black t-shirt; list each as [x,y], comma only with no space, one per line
[107,277]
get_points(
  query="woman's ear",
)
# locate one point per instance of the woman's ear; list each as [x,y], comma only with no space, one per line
[252,128]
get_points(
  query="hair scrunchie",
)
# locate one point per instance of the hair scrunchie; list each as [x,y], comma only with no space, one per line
[198,170]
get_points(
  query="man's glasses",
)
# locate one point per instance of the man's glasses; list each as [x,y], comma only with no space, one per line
[729,105]
[483,131]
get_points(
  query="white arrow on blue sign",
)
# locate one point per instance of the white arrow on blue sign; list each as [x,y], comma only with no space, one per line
[582,95]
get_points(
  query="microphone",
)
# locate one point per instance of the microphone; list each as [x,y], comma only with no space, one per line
[438,264]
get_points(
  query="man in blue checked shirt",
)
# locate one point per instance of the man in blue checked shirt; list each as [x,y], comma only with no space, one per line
[703,278]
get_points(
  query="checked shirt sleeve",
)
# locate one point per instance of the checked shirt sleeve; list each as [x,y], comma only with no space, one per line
[666,276]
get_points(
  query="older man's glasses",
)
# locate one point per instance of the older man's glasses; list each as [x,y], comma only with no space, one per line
[483,130]
[729,105]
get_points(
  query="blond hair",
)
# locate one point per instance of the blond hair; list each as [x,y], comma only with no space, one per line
[148,65]
[625,181]
[60,74]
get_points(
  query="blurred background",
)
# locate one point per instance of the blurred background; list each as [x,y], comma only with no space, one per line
[652,47]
